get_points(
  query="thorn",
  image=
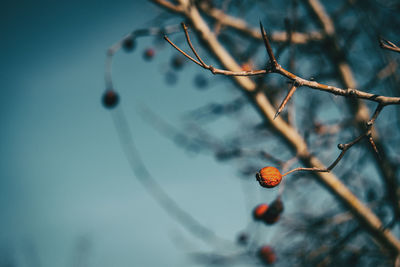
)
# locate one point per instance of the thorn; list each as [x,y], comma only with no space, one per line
[267,45]
[276,115]
[286,99]
[371,141]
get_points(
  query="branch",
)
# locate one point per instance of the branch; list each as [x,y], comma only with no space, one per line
[385,44]
[274,67]
[241,26]
[347,146]
[360,110]
[364,215]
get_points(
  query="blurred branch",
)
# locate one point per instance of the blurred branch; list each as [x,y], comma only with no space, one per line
[364,215]
[359,109]
[241,26]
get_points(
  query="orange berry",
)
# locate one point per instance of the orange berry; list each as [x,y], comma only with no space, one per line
[269,177]
[267,255]
[259,211]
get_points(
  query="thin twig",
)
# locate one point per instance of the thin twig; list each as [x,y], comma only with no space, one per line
[347,146]
[190,44]
[385,44]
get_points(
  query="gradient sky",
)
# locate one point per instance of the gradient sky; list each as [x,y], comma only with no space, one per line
[65,185]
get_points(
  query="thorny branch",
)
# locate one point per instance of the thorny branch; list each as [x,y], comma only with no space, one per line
[365,216]
[274,67]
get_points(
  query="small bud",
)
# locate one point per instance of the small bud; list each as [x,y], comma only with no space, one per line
[340,146]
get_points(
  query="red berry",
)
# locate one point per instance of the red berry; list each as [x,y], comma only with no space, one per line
[259,211]
[269,177]
[267,255]
[110,98]
[149,53]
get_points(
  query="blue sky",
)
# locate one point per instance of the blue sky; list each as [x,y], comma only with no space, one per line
[63,175]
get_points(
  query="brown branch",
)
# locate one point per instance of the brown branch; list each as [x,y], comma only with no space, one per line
[363,214]
[274,67]
[241,26]
[201,63]
[359,109]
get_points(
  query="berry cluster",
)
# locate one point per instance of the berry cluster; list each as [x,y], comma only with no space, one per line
[268,214]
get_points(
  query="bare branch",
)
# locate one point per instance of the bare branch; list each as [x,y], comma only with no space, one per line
[347,146]
[209,67]
[385,44]
[363,214]
[274,67]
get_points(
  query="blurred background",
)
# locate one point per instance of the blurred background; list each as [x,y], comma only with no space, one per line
[67,194]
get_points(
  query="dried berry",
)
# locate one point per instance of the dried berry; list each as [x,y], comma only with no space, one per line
[267,255]
[149,54]
[274,212]
[269,177]
[128,44]
[259,211]
[110,98]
